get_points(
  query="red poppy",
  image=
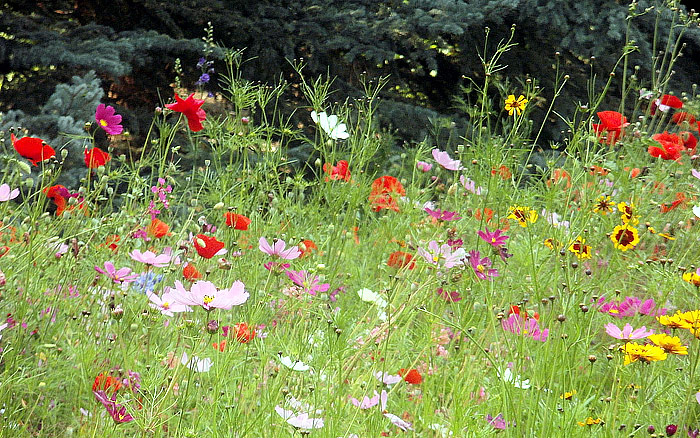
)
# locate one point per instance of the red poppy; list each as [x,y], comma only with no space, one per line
[306,247]
[611,124]
[243,332]
[106,383]
[157,228]
[689,141]
[680,199]
[58,195]
[486,213]
[32,148]
[219,346]
[111,242]
[96,157]
[411,376]
[400,259]
[381,194]
[665,103]
[671,146]
[191,273]
[597,170]
[337,172]
[557,176]
[682,116]
[634,172]
[523,313]
[502,171]
[236,221]
[207,246]
[190,107]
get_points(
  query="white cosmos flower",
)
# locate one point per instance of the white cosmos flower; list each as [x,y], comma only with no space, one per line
[371,297]
[515,380]
[696,211]
[331,125]
[295,365]
[196,364]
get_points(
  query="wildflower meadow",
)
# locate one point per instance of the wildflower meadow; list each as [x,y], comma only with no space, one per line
[495,288]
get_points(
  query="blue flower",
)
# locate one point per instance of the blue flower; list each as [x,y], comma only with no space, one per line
[147,282]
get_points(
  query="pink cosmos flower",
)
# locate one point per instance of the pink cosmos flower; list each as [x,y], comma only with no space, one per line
[278,249]
[437,253]
[300,420]
[7,194]
[398,422]
[443,159]
[423,166]
[368,403]
[450,297]
[482,267]
[630,306]
[166,303]
[695,173]
[515,323]
[386,378]
[205,294]
[150,258]
[443,215]
[627,333]
[495,238]
[498,422]
[107,120]
[119,276]
[115,410]
[470,185]
[309,282]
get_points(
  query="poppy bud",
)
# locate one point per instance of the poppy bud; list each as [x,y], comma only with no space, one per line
[671,429]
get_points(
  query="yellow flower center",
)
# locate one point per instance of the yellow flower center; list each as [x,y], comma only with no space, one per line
[166,305]
[103,122]
[480,268]
[208,299]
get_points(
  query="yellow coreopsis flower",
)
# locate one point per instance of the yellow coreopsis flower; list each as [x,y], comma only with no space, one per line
[590,421]
[523,215]
[603,205]
[674,321]
[513,104]
[580,248]
[645,353]
[670,344]
[628,213]
[692,278]
[625,237]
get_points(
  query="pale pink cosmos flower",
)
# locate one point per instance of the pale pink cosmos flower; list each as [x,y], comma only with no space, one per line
[205,294]
[386,378]
[150,258]
[423,166]
[443,159]
[311,283]
[628,332]
[278,249]
[166,303]
[368,403]
[119,276]
[437,253]
[7,194]
[398,422]
[695,173]
[301,420]
[470,185]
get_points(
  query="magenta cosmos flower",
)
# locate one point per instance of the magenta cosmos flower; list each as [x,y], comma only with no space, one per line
[437,253]
[122,275]
[443,215]
[529,327]
[7,194]
[627,333]
[495,238]
[205,294]
[150,258]
[423,166]
[277,249]
[309,282]
[116,411]
[443,159]
[482,267]
[107,120]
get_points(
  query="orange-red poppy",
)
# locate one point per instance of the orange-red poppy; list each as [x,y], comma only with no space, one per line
[611,124]
[306,247]
[237,221]
[401,259]
[383,191]
[191,273]
[680,199]
[158,229]
[243,332]
[411,376]
[502,171]
[338,172]
[96,157]
[557,176]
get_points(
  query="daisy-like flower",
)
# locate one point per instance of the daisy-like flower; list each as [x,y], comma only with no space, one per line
[580,248]
[301,420]
[590,421]
[107,119]
[294,365]
[116,411]
[277,249]
[670,344]
[436,253]
[387,379]
[205,294]
[444,160]
[443,215]
[498,422]
[369,296]
[554,219]
[604,205]
[628,213]
[516,381]
[515,105]
[150,258]
[495,238]
[333,127]
[482,266]
[524,215]
[7,194]
[119,276]
[627,333]
[678,320]
[308,281]
[625,237]
[644,353]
